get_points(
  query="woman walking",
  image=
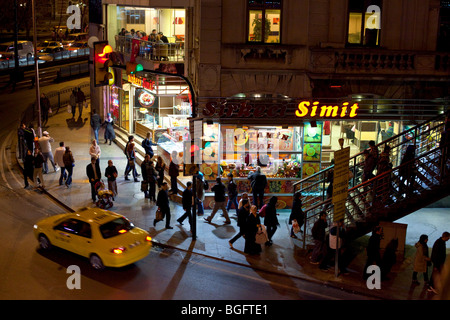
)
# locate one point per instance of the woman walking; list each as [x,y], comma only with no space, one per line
[271,220]
[421,260]
[251,228]
[297,213]
[160,167]
[109,130]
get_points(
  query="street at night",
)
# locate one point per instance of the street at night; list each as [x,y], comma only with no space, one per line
[298,153]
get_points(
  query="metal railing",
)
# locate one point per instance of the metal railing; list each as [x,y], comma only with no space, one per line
[384,196]
[57,56]
[424,137]
[173,52]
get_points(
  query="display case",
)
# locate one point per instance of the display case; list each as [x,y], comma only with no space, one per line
[170,141]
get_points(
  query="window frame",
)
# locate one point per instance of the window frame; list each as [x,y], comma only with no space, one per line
[363,11]
[263,8]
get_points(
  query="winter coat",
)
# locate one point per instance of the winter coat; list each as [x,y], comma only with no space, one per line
[421,259]
[109,130]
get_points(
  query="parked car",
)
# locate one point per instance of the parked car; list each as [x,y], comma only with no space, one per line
[75,37]
[48,54]
[25,50]
[48,43]
[77,45]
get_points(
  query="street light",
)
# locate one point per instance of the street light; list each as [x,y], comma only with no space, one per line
[36,67]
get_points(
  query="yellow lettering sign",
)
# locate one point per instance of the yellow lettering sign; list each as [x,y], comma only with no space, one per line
[325,111]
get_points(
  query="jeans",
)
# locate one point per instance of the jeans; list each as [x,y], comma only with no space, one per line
[258,195]
[200,209]
[96,133]
[234,201]
[48,156]
[63,175]
[69,175]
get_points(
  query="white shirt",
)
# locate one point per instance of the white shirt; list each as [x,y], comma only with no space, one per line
[95,151]
[44,143]
[59,153]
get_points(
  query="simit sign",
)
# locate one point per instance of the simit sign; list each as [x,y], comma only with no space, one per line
[303,109]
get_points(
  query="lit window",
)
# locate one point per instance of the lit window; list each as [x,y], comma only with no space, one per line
[264,13]
[364,22]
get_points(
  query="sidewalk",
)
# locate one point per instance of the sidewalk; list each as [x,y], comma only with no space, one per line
[285,256]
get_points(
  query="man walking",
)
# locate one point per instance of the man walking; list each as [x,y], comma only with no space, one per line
[162,201]
[438,255]
[187,204]
[80,102]
[46,148]
[59,153]
[232,194]
[96,123]
[258,182]
[219,201]
[94,174]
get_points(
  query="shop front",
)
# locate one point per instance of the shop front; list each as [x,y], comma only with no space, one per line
[152,103]
[288,139]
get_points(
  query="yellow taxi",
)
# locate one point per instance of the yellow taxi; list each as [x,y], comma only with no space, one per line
[106,238]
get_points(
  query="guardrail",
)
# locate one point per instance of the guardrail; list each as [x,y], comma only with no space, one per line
[57,56]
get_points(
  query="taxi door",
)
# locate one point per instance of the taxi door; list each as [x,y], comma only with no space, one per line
[81,241]
[73,235]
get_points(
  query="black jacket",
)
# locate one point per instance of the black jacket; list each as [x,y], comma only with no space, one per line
[258,181]
[297,212]
[162,200]
[219,192]
[187,199]
[318,230]
[438,253]
[90,172]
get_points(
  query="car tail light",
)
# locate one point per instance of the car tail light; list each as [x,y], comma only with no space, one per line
[119,250]
[122,231]
[148,238]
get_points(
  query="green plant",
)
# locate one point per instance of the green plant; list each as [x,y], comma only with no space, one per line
[257,29]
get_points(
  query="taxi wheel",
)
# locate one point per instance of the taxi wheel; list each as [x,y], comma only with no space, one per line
[96,262]
[44,243]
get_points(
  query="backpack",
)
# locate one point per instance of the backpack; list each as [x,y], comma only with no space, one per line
[262,212]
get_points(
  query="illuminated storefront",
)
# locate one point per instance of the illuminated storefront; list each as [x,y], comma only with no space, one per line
[151,103]
[289,139]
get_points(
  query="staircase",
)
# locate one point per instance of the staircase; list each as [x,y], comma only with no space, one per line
[389,195]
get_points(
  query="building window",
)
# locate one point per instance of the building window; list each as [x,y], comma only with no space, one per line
[264,13]
[443,43]
[364,22]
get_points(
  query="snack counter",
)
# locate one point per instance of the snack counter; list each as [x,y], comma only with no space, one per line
[280,180]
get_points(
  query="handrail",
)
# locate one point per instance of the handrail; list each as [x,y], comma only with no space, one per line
[386,185]
[379,144]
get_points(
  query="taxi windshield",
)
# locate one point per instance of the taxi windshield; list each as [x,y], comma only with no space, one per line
[115,227]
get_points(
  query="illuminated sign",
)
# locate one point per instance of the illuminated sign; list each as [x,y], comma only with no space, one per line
[142,82]
[304,109]
[328,111]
